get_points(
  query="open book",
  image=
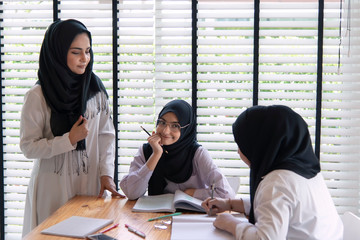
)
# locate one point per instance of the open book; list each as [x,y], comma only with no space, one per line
[168,202]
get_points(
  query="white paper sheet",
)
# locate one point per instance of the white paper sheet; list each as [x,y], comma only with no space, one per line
[198,227]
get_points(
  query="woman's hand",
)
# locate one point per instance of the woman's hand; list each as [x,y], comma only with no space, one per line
[190,191]
[107,183]
[227,222]
[79,130]
[155,143]
[217,205]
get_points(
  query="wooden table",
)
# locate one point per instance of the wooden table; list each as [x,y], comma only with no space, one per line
[118,209]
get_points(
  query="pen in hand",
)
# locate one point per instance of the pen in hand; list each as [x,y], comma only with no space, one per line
[150,135]
[212,195]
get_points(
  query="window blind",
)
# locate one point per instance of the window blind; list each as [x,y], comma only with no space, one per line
[136,74]
[154,67]
[341,118]
[23,27]
[288,75]
[225,66]
[288,65]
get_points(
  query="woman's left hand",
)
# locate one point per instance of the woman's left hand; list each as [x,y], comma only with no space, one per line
[107,183]
[227,222]
[190,191]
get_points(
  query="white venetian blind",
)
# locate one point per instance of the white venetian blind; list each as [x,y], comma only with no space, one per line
[136,74]
[288,75]
[154,67]
[22,30]
[288,61]
[225,89]
[341,153]
[23,27]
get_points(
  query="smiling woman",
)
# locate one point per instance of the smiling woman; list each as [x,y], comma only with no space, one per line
[186,165]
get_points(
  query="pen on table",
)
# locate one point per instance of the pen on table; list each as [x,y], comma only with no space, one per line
[150,135]
[110,228]
[134,230]
[169,215]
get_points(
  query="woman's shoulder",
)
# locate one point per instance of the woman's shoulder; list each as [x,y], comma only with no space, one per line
[282,175]
[36,89]
[35,92]
[201,151]
[286,180]
[202,156]
[287,175]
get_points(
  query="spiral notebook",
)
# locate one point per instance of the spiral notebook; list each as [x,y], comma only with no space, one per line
[77,227]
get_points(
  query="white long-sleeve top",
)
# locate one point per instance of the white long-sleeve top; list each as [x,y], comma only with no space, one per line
[289,206]
[135,184]
[60,172]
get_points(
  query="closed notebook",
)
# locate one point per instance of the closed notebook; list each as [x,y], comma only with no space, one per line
[78,227]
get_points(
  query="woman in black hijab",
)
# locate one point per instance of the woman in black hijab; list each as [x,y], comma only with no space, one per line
[66,125]
[172,159]
[65,92]
[288,195]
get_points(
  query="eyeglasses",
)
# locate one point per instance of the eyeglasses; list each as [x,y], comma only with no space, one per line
[174,127]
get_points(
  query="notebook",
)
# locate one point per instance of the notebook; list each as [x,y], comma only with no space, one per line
[78,227]
[168,203]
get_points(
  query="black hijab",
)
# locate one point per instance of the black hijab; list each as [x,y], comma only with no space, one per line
[65,92]
[177,164]
[274,137]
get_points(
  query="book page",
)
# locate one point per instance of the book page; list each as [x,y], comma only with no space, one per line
[155,203]
[185,201]
[197,227]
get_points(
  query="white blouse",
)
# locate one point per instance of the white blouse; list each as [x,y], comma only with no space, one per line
[289,206]
[60,172]
[135,184]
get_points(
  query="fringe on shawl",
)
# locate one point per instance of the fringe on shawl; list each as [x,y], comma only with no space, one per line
[80,161]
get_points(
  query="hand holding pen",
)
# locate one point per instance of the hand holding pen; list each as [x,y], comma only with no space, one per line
[150,136]
[212,195]
[215,205]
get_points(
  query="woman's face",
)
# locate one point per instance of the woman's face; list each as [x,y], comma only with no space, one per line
[168,129]
[78,56]
[244,158]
